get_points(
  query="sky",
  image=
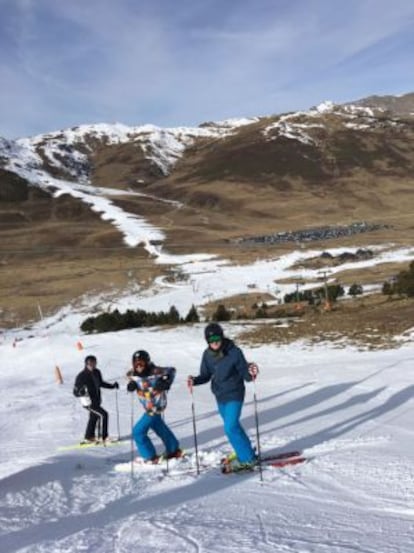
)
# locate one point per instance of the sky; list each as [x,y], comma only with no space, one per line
[184,62]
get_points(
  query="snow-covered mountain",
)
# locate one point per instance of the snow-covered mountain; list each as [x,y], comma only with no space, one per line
[73,153]
[69,150]
[299,125]
[305,144]
[400,105]
[197,189]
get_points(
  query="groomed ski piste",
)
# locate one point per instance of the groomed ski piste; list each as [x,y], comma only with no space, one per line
[348,411]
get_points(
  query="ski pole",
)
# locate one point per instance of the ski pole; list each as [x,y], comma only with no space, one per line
[256,417]
[117,413]
[166,452]
[132,436]
[190,386]
[99,425]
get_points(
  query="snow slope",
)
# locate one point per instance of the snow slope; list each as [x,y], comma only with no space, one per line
[349,411]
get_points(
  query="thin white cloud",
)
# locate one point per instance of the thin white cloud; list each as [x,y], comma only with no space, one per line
[124,61]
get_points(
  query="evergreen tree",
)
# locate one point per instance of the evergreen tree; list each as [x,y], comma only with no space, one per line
[387,289]
[88,325]
[261,312]
[335,291]
[221,314]
[192,316]
[173,315]
[404,284]
[355,290]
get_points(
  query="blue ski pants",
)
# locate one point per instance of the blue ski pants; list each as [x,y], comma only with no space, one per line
[144,444]
[230,412]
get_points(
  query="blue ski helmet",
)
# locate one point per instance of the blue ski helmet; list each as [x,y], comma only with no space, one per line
[213,333]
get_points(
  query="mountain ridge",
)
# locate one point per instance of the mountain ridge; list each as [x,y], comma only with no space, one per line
[102,189]
[68,150]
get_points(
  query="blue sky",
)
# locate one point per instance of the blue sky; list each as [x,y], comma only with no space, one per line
[183,62]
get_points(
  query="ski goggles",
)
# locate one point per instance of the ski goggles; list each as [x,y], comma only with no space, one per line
[214,339]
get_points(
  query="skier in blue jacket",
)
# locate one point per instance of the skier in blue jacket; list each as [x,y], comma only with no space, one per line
[224,364]
[151,384]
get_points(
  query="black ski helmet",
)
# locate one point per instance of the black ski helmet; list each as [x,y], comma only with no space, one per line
[213,329]
[90,358]
[141,355]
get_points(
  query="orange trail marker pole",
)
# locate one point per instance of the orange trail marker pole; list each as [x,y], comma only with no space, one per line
[58,375]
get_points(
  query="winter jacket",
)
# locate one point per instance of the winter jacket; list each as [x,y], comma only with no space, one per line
[152,399]
[89,383]
[227,369]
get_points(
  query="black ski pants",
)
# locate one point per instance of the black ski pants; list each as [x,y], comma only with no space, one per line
[99,416]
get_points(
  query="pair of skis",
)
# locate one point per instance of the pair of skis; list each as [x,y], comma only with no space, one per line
[182,465]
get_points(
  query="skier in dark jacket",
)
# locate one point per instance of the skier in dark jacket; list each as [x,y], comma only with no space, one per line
[224,364]
[87,387]
[151,384]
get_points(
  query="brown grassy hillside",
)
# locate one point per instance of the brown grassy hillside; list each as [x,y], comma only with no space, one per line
[281,173]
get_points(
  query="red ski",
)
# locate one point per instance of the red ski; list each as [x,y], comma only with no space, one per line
[278,456]
[285,462]
[279,460]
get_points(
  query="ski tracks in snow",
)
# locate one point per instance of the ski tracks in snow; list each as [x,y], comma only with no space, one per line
[307,509]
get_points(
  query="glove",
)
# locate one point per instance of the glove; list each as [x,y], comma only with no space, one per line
[132,386]
[163,384]
[190,382]
[115,385]
[253,370]
[80,392]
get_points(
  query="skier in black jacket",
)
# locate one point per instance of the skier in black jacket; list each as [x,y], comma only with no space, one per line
[87,387]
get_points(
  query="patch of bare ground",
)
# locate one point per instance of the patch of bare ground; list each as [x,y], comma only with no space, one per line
[54,250]
[372,322]
[241,306]
[55,280]
[57,251]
